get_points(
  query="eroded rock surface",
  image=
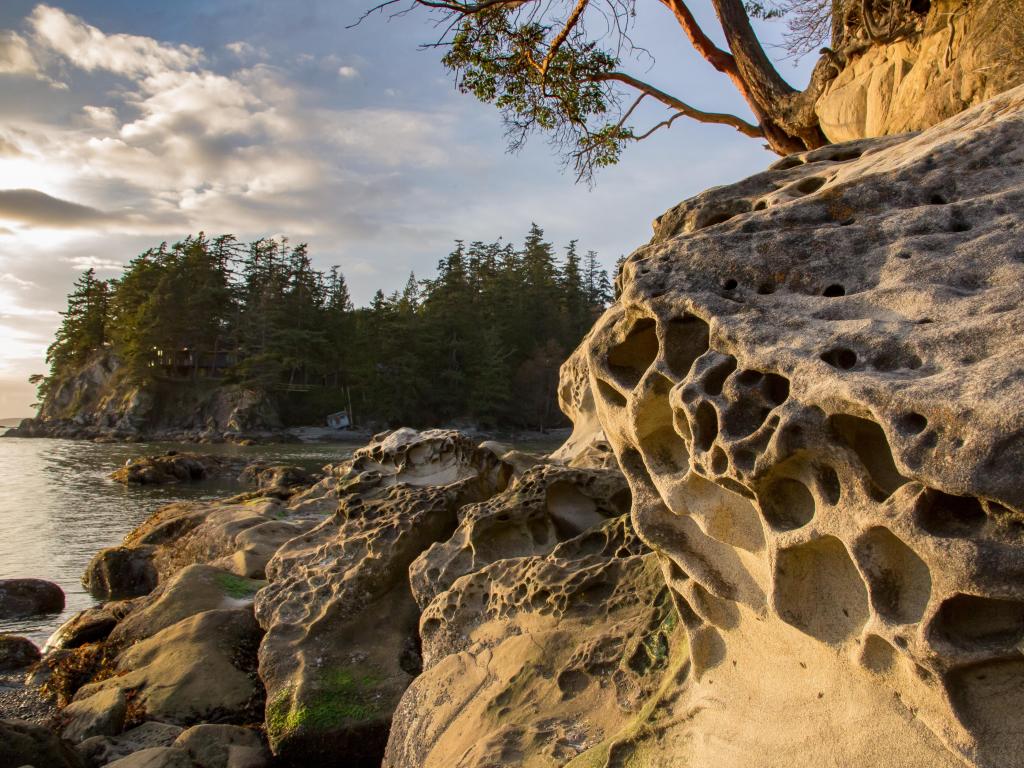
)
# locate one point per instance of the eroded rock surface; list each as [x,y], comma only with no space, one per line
[547,628]
[954,55]
[813,383]
[341,644]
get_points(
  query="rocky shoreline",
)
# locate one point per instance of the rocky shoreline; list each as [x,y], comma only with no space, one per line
[786,530]
[199,588]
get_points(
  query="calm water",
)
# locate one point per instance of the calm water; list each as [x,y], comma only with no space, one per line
[58,507]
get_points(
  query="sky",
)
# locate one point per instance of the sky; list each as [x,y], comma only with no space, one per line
[125,124]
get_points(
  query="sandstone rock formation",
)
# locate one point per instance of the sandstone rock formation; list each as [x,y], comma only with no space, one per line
[955,55]
[812,381]
[341,644]
[546,628]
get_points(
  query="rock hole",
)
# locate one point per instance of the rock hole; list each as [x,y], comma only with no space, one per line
[760,205]
[572,682]
[840,357]
[877,656]
[571,511]
[828,484]
[959,224]
[745,460]
[749,377]
[730,284]
[766,288]
[898,580]
[903,255]
[810,185]
[718,218]
[786,163]
[610,395]
[912,423]
[819,591]
[665,451]
[686,339]
[538,531]
[971,622]
[705,430]
[716,376]
[834,290]
[776,388]
[921,7]
[786,504]
[719,461]
[866,439]
[631,359]
[947,516]
[937,199]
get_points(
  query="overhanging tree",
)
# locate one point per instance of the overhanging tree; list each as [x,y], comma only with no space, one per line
[561,67]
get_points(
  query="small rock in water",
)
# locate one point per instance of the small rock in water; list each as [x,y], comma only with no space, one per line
[28,597]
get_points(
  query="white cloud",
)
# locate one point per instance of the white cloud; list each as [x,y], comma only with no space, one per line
[104,118]
[348,73]
[15,55]
[247,51]
[86,47]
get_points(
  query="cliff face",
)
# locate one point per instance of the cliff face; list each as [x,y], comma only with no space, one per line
[959,55]
[812,382]
[98,400]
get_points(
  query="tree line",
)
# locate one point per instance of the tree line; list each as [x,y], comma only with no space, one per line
[481,341]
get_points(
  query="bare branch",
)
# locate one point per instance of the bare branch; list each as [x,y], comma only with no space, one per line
[719,118]
[663,124]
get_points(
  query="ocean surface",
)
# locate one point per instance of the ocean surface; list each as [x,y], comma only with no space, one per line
[58,506]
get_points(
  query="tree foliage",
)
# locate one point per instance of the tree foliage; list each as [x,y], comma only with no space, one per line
[481,340]
[567,68]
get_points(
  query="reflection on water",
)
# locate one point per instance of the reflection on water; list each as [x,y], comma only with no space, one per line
[58,507]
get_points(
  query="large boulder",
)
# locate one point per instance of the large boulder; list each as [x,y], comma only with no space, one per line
[23,743]
[813,382]
[199,669]
[28,597]
[17,652]
[121,572]
[341,644]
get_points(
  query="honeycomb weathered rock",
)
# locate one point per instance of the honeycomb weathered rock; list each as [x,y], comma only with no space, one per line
[813,382]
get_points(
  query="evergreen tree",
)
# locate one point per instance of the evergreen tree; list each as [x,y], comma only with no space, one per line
[84,327]
[482,339]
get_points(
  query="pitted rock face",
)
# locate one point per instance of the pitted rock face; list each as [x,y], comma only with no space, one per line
[546,506]
[813,383]
[341,644]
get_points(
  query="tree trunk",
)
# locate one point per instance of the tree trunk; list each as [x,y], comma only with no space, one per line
[786,115]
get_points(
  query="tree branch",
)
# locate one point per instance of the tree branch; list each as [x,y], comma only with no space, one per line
[682,107]
[574,18]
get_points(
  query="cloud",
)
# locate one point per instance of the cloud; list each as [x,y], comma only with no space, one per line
[15,55]
[87,48]
[82,263]
[102,117]
[35,208]
[348,73]
[247,51]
